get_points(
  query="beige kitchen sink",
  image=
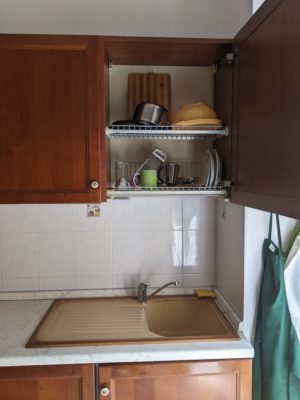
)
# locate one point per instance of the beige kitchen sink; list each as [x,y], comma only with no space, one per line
[186,317]
[99,321]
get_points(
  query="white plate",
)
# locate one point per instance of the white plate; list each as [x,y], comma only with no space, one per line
[204,176]
[218,164]
[212,168]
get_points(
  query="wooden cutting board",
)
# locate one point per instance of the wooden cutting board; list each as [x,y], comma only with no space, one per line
[153,88]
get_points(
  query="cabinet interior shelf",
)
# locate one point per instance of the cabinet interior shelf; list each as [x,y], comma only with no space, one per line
[166,132]
[167,191]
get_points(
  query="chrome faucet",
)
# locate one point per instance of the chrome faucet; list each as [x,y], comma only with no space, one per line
[142,296]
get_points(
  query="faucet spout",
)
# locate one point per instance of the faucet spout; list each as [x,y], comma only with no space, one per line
[142,296]
[175,283]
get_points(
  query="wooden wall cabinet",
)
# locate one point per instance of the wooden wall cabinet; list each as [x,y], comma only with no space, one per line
[52,111]
[209,380]
[51,116]
[56,382]
[266,99]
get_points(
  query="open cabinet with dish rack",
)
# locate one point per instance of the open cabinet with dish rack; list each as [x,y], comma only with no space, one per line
[193,177]
[188,149]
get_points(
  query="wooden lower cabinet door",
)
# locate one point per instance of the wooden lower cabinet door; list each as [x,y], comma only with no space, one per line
[205,380]
[59,382]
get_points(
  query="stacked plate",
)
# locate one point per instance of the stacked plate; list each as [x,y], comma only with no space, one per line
[211,169]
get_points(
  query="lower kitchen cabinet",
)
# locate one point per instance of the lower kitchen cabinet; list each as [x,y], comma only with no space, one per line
[55,382]
[209,380]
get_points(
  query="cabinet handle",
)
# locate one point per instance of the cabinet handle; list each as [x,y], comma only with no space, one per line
[104,391]
[94,184]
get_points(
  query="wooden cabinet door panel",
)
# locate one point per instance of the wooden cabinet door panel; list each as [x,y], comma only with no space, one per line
[266,110]
[75,382]
[223,108]
[49,118]
[215,380]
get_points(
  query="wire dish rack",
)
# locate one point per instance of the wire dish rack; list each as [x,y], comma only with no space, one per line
[166,132]
[188,169]
[167,191]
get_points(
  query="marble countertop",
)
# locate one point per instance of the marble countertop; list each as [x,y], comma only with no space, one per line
[19,318]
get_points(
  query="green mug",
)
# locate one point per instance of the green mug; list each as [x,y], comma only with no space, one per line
[149,178]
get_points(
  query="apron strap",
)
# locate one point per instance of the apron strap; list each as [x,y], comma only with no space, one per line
[270,226]
[278,231]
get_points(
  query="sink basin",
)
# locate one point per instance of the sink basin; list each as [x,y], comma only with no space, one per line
[122,320]
[186,317]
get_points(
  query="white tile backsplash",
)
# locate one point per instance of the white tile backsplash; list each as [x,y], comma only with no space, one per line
[57,283]
[57,254]
[93,253]
[230,253]
[164,213]
[19,255]
[129,215]
[20,284]
[56,218]
[199,214]
[199,252]
[198,280]
[164,249]
[57,246]
[94,282]
[129,252]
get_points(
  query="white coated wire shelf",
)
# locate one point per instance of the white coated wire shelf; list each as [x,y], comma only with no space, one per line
[167,191]
[166,132]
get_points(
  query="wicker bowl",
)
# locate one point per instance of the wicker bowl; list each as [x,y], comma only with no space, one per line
[196,114]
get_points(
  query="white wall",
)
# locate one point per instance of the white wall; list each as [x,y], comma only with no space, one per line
[256,230]
[182,18]
[230,253]
[56,247]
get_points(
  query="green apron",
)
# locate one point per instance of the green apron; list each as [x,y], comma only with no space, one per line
[273,327]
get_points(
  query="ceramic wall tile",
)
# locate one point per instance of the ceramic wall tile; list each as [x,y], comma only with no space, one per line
[57,246]
[199,213]
[164,249]
[18,218]
[57,254]
[20,284]
[198,280]
[94,282]
[129,214]
[19,255]
[56,218]
[158,280]
[57,283]
[121,280]
[93,253]
[129,252]
[230,218]
[230,254]
[198,252]
[164,213]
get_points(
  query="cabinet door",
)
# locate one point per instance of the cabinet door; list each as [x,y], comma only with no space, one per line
[51,117]
[266,142]
[214,380]
[63,382]
[223,108]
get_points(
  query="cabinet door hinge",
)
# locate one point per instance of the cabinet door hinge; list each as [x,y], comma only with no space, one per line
[228,60]
[227,184]
[109,63]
